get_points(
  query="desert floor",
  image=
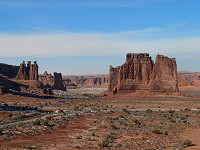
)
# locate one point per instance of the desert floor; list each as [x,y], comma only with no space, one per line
[138,121]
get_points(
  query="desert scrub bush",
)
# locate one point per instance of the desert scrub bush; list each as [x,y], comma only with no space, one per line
[157,131]
[49,117]
[104,143]
[166,133]
[171,111]
[187,109]
[185,119]
[107,140]
[149,111]
[46,123]
[126,111]
[137,122]
[187,143]
[182,145]
[114,127]
[37,122]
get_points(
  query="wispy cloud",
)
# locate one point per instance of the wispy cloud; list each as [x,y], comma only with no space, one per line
[153,30]
[89,44]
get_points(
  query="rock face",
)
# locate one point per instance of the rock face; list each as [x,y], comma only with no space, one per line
[27,72]
[164,76]
[69,84]
[58,82]
[8,70]
[89,80]
[50,81]
[189,79]
[140,73]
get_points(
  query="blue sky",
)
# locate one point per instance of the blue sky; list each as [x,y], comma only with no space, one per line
[86,36]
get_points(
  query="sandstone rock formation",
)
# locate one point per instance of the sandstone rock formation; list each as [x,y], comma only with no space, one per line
[189,79]
[140,73]
[69,84]
[27,72]
[58,82]
[50,81]
[88,80]
[164,77]
[8,70]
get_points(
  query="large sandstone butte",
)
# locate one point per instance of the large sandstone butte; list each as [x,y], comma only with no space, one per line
[139,72]
[28,72]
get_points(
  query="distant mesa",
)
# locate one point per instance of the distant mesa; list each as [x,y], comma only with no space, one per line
[139,72]
[87,80]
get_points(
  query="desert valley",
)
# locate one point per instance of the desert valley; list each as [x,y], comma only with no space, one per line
[99,75]
[139,105]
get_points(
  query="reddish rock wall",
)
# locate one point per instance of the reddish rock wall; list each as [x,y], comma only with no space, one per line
[50,81]
[140,73]
[58,82]
[164,77]
[88,80]
[189,79]
[8,70]
[27,72]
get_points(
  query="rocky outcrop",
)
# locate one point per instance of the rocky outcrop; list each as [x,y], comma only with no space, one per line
[69,84]
[27,72]
[58,82]
[47,79]
[88,80]
[164,77]
[140,73]
[53,82]
[189,79]
[8,70]
[33,73]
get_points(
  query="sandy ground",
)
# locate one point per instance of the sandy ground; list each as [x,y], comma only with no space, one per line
[121,122]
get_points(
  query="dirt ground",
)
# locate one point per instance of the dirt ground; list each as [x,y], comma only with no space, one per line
[132,121]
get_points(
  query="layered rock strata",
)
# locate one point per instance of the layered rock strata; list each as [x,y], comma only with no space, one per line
[27,72]
[52,81]
[139,72]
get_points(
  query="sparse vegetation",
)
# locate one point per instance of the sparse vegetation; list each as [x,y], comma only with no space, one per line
[36,122]
[104,143]
[157,131]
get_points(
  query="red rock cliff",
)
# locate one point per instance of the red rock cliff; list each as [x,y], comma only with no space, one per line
[27,72]
[8,70]
[58,82]
[52,81]
[140,73]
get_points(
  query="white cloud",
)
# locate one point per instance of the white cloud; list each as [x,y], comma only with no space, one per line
[90,44]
